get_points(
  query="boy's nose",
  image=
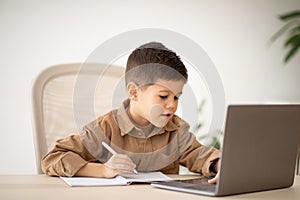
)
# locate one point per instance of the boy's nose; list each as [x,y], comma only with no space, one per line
[171,104]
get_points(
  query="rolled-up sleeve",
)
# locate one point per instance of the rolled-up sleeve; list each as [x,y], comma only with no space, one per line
[199,158]
[67,157]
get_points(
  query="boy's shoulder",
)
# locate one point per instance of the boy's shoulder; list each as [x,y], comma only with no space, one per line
[103,121]
[107,116]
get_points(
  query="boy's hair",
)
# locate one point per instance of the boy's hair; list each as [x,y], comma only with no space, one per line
[153,61]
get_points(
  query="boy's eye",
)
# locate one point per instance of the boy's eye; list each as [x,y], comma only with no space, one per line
[163,97]
[176,98]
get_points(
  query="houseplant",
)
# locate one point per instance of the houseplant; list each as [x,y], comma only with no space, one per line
[291,29]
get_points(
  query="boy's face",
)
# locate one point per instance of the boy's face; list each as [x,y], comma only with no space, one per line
[156,103]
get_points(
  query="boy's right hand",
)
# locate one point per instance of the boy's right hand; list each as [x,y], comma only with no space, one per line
[119,164]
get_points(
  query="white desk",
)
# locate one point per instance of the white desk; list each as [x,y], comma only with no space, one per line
[42,187]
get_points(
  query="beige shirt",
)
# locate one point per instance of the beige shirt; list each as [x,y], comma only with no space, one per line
[159,149]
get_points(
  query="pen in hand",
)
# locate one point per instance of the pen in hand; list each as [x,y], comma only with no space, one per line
[113,152]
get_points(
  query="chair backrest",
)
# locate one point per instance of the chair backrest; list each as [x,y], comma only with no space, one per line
[53,101]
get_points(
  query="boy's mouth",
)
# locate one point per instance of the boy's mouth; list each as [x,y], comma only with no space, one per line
[167,115]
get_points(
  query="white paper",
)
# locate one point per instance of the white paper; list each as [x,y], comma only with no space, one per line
[83,181]
[123,179]
[146,177]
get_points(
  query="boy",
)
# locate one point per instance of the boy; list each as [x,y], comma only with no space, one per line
[145,132]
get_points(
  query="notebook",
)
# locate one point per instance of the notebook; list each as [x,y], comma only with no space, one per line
[259,152]
[124,179]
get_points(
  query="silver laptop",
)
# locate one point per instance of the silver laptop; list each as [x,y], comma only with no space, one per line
[259,152]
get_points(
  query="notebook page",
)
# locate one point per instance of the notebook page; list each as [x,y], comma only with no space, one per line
[146,177]
[83,181]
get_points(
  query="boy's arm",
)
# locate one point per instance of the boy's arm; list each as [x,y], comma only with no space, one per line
[69,157]
[200,159]
[117,164]
[66,158]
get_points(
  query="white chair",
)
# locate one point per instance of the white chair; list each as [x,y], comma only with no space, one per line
[56,108]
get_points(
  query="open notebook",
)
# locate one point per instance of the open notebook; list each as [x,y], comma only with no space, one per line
[124,179]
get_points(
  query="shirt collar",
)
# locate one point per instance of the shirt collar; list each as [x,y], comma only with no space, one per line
[126,125]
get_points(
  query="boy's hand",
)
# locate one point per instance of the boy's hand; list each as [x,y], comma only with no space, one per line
[214,180]
[119,164]
[215,169]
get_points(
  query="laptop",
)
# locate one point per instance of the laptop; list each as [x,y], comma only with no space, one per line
[259,152]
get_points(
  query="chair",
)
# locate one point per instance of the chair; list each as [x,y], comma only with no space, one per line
[54,100]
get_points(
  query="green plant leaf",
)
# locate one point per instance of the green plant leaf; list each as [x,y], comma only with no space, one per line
[292,41]
[290,15]
[292,29]
[295,30]
[201,105]
[198,126]
[292,51]
[216,143]
[283,30]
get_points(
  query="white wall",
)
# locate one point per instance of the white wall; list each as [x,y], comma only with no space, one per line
[37,34]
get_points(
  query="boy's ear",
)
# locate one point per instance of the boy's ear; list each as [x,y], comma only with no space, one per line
[132,90]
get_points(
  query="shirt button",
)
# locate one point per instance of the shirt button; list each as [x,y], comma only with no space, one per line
[140,134]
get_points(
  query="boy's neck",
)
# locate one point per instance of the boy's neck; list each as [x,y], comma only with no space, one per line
[134,118]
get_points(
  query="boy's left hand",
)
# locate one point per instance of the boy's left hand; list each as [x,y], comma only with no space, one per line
[215,179]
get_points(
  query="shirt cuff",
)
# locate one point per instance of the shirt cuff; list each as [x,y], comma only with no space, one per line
[206,169]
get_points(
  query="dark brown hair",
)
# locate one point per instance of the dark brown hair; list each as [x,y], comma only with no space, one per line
[153,61]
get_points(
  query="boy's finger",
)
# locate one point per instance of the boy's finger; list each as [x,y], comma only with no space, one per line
[213,180]
[121,164]
[123,159]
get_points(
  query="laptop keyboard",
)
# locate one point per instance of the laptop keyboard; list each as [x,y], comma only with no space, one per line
[201,180]
[193,184]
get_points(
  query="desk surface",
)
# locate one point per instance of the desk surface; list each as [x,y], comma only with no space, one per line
[44,187]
